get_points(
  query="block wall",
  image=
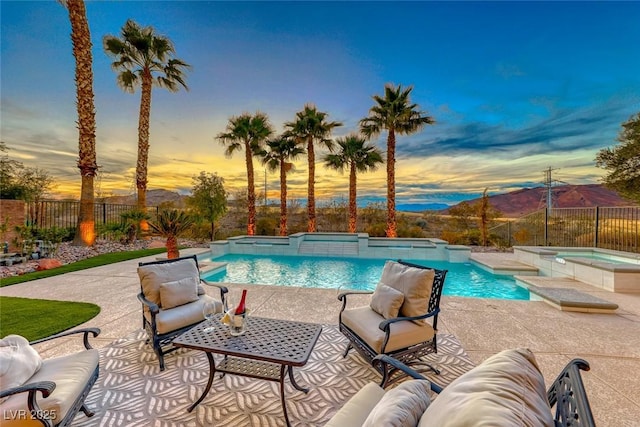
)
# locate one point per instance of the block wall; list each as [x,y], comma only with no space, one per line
[11,211]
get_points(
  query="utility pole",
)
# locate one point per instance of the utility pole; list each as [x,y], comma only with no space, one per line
[548,182]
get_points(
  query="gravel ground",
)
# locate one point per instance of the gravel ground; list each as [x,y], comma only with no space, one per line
[67,253]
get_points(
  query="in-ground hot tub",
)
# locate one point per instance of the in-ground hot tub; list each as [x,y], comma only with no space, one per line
[614,271]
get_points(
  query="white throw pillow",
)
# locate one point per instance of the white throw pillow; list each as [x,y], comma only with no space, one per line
[386,301]
[401,406]
[18,361]
[180,292]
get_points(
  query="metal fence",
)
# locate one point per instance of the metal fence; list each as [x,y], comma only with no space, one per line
[615,228]
[64,214]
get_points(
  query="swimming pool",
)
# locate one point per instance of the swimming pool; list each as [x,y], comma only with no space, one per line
[463,279]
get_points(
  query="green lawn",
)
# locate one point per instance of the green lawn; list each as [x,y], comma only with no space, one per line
[96,261]
[39,318]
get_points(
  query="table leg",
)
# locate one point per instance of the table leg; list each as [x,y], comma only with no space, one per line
[294,383]
[284,405]
[212,372]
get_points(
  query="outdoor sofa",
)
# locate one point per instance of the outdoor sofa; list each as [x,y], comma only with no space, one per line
[506,390]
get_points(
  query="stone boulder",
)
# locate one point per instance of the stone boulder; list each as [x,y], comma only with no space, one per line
[48,264]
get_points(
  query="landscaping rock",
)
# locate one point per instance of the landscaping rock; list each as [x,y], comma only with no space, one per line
[67,254]
[48,264]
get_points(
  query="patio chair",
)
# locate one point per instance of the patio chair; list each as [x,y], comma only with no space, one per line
[395,321]
[172,298]
[49,392]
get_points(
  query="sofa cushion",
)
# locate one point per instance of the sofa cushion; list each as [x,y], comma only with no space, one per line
[183,315]
[364,322]
[401,406]
[507,389]
[18,361]
[415,283]
[357,409]
[386,301]
[179,292]
[71,374]
[154,275]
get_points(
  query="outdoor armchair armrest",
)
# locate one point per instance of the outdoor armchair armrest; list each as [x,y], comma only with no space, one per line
[384,325]
[223,290]
[568,394]
[388,360]
[85,339]
[46,387]
[153,307]
[342,296]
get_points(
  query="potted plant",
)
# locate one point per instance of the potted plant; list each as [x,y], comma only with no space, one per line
[170,224]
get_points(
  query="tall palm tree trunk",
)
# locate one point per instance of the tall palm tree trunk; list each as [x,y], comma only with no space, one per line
[353,208]
[81,39]
[251,192]
[143,146]
[283,199]
[311,192]
[391,185]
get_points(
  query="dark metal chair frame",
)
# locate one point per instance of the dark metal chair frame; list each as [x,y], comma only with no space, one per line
[567,393]
[409,355]
[159,341]
[47,387]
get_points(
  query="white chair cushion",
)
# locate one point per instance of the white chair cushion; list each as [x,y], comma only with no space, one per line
[18,361]
[357,409]
[505,390]
[386,301]
[364,322]
[154,275]
[173,294]
[415,283]
[70,373]
[183,315]
[401,406]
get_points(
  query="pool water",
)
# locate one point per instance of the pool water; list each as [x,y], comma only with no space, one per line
[465,280]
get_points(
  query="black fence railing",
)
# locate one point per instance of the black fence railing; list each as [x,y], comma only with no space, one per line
[615,228]
[64,214]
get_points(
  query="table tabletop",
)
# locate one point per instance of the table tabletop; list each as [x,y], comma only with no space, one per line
[271,340]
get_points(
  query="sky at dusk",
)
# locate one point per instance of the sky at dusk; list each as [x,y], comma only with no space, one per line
[514,88]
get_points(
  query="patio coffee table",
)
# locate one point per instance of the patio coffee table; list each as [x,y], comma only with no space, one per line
[268,350]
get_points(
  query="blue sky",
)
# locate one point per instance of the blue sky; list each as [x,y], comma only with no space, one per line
[514,88]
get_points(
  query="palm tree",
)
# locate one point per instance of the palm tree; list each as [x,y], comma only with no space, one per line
[144,58]
[311,127]
[280,150]
[395,113]
[357,156]
[249,132]
[170,224]
[81,39]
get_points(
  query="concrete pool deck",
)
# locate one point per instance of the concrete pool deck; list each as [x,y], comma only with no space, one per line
[609,342]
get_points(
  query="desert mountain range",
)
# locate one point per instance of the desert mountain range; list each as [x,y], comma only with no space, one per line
[514,204]
[522,202]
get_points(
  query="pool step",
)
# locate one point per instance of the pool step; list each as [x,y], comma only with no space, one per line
[328,248]
[567,294]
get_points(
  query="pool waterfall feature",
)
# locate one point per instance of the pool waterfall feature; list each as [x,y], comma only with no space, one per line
[358,245]
[610,270]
